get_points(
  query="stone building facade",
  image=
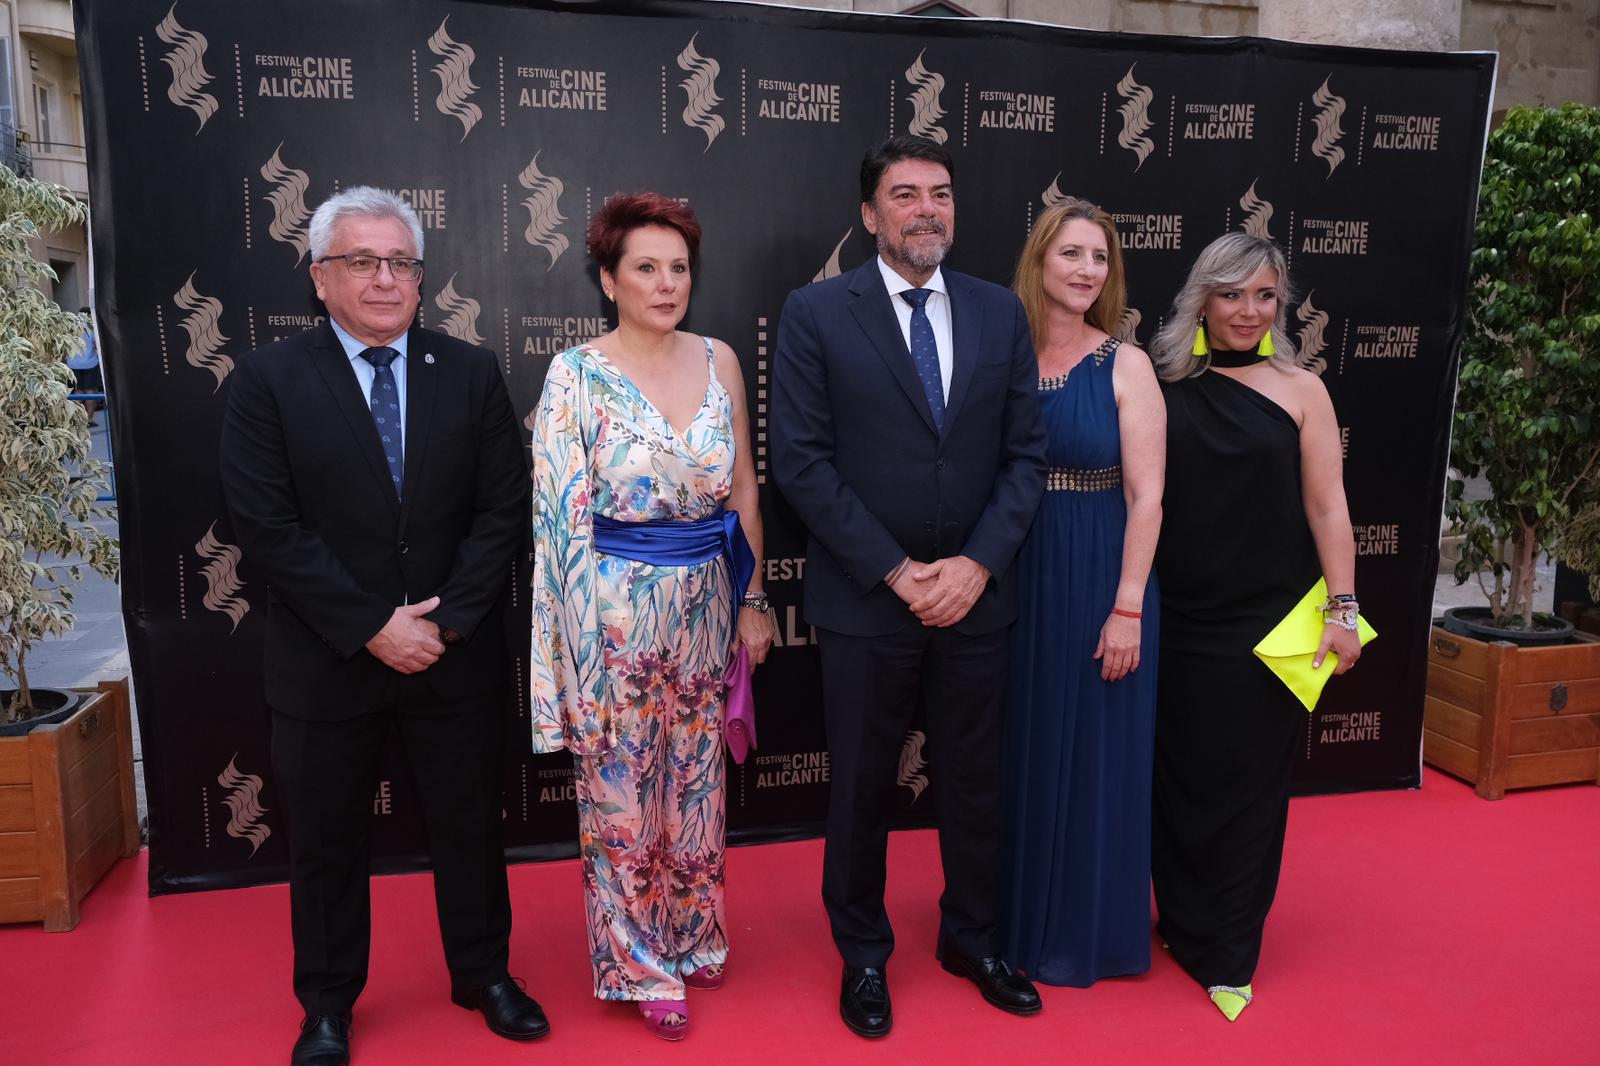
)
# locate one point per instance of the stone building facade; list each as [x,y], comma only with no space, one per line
[1549,49]
[41,126]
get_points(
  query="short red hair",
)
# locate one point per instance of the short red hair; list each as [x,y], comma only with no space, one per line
[626,212]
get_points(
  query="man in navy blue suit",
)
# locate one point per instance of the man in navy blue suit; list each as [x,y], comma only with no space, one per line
[906,435]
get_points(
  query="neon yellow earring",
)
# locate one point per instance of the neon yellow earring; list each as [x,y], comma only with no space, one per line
[1265,349]
[1201,347]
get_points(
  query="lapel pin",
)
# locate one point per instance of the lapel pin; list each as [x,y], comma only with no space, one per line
[428,358]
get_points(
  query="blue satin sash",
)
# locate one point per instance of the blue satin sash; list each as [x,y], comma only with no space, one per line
[663,542]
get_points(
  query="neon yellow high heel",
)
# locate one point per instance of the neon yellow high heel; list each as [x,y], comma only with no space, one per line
[1229,1000]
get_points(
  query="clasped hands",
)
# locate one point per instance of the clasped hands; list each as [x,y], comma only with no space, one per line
[941,593]
[408,642]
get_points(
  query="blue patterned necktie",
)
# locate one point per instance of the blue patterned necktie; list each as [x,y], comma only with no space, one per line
[925,353]
[386,410]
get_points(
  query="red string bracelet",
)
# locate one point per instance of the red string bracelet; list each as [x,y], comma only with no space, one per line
[1126,614]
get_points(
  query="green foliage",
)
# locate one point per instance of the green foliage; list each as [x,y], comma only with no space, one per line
[1526,418]
[1581,541]
[48,477]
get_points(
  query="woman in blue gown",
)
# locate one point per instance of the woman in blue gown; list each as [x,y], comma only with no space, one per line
[1081,701]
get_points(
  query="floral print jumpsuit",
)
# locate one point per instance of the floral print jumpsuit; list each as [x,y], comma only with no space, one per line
[627,668]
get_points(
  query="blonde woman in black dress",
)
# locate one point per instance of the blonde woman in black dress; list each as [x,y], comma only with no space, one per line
[1254,513]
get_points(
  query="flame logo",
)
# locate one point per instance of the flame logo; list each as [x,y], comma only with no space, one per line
[1052,194]
[205,338]
[544,210]
[187,60]
[701,89]
[455,79]
[1135,112]
[222,578]
[1128,326]
[832,269]
[288,200]
[925,109]
[244,805]
[462,312]
[1325,146]
[1258,213]
[912,763]
[1309,342]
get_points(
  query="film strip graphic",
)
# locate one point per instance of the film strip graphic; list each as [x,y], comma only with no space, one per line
[763,386]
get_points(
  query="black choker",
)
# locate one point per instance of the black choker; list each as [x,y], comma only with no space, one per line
[1224,358]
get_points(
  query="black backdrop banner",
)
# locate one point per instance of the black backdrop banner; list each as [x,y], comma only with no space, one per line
[215,129]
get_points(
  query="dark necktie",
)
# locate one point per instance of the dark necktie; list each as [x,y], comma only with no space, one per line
[386,410]
[925,353]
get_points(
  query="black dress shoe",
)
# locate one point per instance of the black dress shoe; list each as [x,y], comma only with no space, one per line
[1000,984]
[324,1041]
[864,1001]
[510,1011]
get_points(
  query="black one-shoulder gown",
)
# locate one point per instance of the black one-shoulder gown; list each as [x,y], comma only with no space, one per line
[1235,554]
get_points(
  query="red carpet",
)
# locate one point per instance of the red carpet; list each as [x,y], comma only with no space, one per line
[1406,925]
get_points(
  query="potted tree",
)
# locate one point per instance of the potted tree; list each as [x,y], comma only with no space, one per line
[1513,696]
[66,787]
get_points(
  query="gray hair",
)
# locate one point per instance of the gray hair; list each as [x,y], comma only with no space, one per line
[361,200]
[1230,260]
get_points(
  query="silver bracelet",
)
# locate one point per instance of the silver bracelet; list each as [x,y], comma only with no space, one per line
[1341,611]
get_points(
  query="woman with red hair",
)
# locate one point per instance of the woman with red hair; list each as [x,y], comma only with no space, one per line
[644,589]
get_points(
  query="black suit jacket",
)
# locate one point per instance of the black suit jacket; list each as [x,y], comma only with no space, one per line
[856,453]
[315,513]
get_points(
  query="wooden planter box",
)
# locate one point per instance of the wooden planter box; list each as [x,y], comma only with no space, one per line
[1504,717]
[67,810]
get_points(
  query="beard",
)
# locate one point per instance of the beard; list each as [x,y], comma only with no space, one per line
[921,257]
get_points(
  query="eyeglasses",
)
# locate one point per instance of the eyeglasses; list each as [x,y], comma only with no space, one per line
[366,266]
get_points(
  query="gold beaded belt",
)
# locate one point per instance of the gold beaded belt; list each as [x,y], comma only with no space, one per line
[1060,479]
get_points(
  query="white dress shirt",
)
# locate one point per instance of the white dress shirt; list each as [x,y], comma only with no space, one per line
[938,308]
[365,371]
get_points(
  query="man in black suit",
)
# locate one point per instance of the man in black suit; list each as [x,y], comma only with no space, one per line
[906,434]
[376,479]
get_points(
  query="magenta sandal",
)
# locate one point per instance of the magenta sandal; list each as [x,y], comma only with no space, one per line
[656,1013]
[705,981]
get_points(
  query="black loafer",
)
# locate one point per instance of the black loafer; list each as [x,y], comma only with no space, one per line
[509,1011]
[1002,986]
[324,1041]
[864,1001]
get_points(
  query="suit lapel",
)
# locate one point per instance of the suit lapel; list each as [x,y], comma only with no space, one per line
[877,320]
[422,381]
[334,366]
[966,329]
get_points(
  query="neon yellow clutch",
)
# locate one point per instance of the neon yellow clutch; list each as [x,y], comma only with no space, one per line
[1292,644]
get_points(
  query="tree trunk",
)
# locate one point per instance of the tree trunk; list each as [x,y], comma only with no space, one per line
[1522,558]
[21,703]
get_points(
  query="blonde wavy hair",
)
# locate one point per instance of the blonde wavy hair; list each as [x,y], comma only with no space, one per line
[1106,312]
[1227,262]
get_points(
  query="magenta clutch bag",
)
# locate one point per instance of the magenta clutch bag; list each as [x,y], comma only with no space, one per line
[739,724]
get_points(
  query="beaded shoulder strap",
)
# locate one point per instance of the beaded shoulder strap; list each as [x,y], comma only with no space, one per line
[1099,355]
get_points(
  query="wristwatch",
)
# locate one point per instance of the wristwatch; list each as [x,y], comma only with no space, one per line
[756,601]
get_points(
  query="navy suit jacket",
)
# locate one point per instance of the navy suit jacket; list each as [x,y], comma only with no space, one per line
[316,515]
[855,450]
